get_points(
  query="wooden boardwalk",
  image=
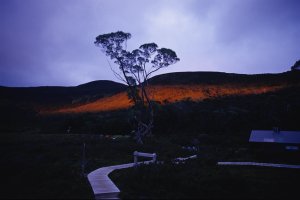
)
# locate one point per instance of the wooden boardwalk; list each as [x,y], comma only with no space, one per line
[261,164]
[102,185]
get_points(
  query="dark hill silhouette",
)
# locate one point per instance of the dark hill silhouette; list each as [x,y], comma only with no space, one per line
[58,95]
[97,106]
[222,78]
[52,97]
[102,85]
[194,86]
[20,105]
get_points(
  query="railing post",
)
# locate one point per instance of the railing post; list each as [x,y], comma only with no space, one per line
[137,154]
[154,158]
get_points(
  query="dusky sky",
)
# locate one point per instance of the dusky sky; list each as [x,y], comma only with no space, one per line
[51,42]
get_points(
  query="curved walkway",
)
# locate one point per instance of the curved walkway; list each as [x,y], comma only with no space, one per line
[102,185]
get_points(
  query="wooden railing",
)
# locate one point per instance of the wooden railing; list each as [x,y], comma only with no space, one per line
[137,154]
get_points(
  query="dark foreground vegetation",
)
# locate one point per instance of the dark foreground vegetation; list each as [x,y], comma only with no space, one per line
[50,166]
[44,166]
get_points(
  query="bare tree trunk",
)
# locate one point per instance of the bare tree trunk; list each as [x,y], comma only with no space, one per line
[144,127]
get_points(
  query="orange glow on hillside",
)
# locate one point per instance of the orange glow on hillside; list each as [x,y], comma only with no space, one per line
[115,102]
[170,94]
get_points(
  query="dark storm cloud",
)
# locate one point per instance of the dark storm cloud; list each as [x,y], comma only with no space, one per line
[14,40]
[23,44]
[259,19]
[50,42]
[252,36]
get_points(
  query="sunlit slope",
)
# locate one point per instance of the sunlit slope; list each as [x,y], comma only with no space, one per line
[170,94]
[115,102]
[194,86]
[175,93]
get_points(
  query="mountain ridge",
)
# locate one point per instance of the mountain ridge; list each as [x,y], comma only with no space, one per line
[60,94]
[194,86]
[165,87]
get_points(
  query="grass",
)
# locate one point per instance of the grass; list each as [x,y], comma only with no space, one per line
[49,166]
[201,179]
[43,166]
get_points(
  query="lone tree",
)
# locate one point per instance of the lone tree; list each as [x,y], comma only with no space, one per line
[296,66]
[135,69]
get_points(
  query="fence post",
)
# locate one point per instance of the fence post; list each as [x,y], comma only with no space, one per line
[83,160]
[154,158]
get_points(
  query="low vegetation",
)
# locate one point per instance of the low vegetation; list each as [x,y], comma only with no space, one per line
[47,166]
[203,179]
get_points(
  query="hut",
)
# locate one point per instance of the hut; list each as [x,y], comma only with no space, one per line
[287,140]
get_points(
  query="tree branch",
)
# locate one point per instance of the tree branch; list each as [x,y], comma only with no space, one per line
[117,75]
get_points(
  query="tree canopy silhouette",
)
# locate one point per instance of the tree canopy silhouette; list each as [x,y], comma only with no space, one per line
[135,68]
[296,65]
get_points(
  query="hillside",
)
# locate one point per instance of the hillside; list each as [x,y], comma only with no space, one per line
[194,86]
[57,96]
[19,106]
[187,99]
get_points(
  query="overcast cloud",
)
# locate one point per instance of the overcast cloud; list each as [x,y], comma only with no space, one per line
[50,42]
